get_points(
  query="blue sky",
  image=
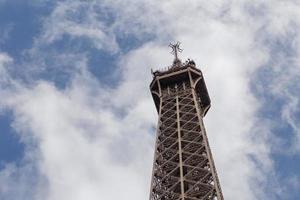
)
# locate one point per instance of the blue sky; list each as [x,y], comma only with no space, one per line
[75,110]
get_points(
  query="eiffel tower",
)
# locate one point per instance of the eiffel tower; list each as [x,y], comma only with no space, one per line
[183,167]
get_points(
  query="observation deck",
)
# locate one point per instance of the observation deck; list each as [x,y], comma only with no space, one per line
[175,75]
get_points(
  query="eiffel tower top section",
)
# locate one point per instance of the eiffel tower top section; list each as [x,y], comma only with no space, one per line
[180,76]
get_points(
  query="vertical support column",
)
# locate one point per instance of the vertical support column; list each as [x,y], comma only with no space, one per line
[210,158]
[179,149]
[156,138]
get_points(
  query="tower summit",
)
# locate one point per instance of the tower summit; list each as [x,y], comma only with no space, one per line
[183,167]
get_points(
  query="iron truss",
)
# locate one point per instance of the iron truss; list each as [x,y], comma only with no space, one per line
[183,166]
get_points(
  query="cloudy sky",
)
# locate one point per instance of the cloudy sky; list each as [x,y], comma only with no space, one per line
[77,120]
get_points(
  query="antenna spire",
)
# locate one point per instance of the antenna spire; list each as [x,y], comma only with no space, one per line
[175,49]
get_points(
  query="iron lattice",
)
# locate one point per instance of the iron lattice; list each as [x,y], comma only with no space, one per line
[183,166]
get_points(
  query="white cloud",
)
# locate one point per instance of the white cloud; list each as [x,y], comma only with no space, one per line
[282,36]
[78,19]
[83,146]
[93,141]
[5,60]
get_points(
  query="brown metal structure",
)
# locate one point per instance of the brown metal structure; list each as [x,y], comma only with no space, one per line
[183,167]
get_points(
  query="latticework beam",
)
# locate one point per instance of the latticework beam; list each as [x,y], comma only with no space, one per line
[183,166]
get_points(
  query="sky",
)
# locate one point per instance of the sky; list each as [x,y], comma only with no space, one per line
[76,116]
